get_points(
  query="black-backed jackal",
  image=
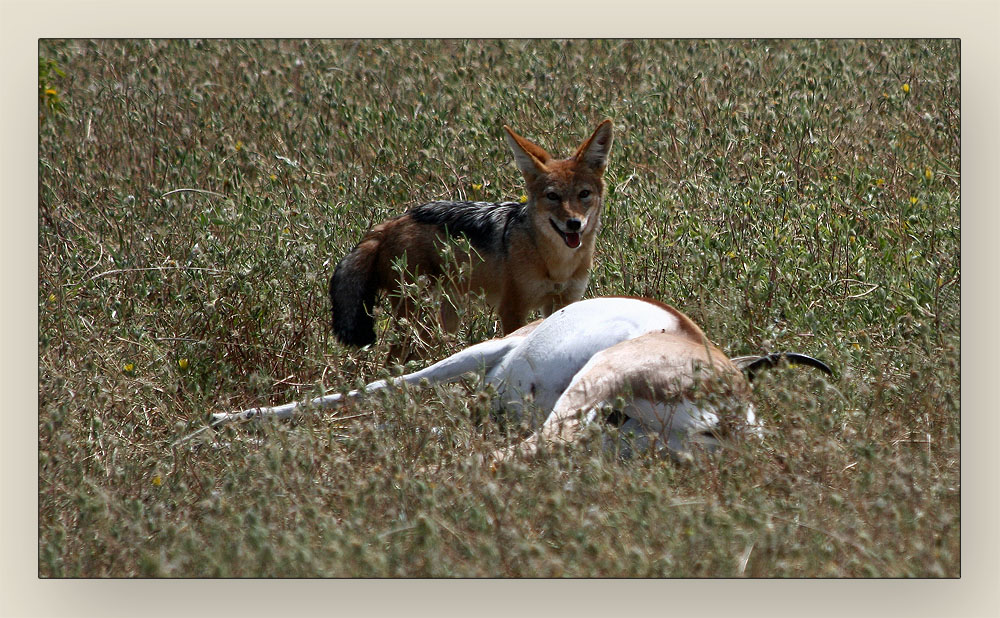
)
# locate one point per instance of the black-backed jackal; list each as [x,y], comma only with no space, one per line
[526,256]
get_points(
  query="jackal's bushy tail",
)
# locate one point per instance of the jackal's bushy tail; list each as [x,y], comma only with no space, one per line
[352,294]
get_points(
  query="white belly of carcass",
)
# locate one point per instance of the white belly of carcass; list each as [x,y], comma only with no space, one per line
[537,372]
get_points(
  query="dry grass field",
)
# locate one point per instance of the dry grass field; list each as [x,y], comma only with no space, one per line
[195,196]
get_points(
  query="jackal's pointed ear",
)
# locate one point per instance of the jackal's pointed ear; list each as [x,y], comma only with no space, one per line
[530,157]
[594,151]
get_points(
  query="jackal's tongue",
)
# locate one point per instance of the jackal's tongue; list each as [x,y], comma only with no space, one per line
[572,239]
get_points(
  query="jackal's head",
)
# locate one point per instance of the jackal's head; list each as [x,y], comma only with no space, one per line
[567,192]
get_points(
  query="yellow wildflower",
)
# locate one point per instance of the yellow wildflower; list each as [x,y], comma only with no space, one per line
[157,481]
[182,363]
[906,88]
[928,174]
[913,199]
[239,145]
[128,367]
[524,198]
[477,187]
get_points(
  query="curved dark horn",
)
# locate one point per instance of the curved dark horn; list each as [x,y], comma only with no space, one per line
[752,365]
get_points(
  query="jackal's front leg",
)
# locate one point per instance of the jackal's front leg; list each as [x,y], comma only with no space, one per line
[569,292]
[512,312]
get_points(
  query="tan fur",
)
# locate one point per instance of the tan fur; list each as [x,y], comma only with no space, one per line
[658,366]
[421,244]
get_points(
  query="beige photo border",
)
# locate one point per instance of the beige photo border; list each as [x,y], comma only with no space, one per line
[23,23]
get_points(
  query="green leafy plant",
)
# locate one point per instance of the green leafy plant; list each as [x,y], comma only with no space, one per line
[49,101]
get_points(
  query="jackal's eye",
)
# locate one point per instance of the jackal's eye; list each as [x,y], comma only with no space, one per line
[552,196]
[584,194]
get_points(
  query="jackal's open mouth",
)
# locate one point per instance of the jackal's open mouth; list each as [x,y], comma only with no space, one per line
[572,239]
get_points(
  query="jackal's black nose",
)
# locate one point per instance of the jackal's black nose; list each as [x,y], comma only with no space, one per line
[573,225]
